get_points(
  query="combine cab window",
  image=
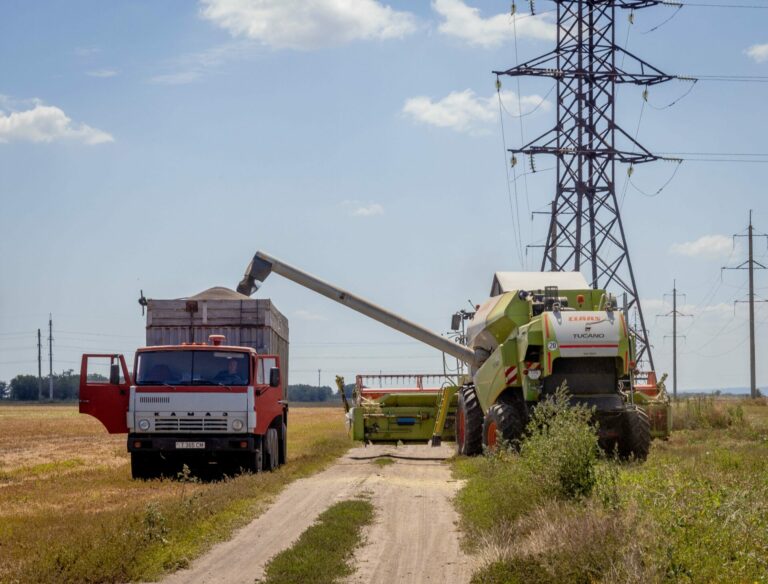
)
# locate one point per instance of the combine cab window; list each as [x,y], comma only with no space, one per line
[192,368]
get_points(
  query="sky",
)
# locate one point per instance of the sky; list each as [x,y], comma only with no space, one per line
[155,146]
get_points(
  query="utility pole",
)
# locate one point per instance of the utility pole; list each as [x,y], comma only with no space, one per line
[674,313]
[39,367]
[318,377]
[586,230]
[750,265]
[50,357]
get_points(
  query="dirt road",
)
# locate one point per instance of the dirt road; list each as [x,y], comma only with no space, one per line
[414,538]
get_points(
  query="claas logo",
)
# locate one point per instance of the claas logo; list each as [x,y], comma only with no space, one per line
[584,318]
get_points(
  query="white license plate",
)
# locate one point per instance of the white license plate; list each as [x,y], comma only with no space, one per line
[190,445]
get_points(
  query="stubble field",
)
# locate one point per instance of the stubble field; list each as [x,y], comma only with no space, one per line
[69,511]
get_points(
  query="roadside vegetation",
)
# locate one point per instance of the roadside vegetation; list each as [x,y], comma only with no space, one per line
[71,513]
[323,553]
[560,511]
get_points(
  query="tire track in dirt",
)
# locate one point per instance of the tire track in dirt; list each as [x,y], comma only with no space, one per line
[414,537]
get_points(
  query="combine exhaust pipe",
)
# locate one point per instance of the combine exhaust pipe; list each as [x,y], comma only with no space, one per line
[262,265]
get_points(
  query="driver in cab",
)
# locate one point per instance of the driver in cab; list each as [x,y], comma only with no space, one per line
[230,375]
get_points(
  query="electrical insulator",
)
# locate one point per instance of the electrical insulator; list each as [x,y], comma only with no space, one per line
[513,9]
[631,17]
[630,170]
[533,7]
[533,163]
[645,94]
[498,84]
[513,160]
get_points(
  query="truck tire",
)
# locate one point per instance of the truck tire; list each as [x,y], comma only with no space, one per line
[271,450]
[284,445]
[144,466]
[635,440]
[506,419]
[469,423]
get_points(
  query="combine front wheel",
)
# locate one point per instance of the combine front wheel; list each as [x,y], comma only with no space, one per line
[505,420]
[469,423]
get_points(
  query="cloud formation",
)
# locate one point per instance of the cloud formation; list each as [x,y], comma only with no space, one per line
[465,111]
[46,123]
[465,23]
[359,209]
[707,246]
[758,53]
[102,73]
[297,24]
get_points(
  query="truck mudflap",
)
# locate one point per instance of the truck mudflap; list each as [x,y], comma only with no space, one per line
[193,445]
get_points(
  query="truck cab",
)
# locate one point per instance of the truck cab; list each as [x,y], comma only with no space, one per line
[202,405]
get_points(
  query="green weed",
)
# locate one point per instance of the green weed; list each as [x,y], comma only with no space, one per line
[322,554]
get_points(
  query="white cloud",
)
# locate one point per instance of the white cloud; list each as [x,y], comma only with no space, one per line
[180,78]
[758,53]
[102,73]
[707,246]
[302,314]
[358,209]
[45,123]
[298,24]
[465,23]
[464,111]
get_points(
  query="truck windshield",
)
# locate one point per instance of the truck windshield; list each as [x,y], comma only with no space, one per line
[192,368]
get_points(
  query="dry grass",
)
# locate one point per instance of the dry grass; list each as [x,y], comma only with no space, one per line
[71,513]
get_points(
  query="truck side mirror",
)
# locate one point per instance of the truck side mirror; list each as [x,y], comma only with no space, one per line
[114,373]
[274,377]
[455,322]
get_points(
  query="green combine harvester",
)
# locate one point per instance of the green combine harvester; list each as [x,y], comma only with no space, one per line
[537,332]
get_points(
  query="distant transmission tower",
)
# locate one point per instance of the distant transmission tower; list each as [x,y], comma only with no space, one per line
[586,231]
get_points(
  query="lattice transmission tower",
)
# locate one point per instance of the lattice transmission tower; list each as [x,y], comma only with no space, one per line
[586,231]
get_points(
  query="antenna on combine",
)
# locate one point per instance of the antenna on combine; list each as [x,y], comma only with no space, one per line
[586,231]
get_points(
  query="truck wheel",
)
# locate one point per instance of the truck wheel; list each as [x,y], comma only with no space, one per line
[636,435]
[271,450]
[469,423]
[144,466]
[284,445]
[505,420]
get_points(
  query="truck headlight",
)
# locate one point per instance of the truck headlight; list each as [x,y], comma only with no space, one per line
[144,425]
[237,425]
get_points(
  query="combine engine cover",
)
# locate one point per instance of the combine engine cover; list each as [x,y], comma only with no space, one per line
[587,334]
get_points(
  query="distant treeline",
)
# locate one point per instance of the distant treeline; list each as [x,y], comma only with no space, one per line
[67,384]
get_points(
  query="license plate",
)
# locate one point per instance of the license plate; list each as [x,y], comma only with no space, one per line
[190,445]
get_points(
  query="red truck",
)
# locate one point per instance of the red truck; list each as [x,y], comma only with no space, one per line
[193,404]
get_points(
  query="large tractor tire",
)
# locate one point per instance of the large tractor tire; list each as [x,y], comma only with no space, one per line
[271,450]
[635,440]
[145,466]
[469,423]
[505,423]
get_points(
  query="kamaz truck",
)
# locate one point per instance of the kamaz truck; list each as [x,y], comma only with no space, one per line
[537,332]
[206,393]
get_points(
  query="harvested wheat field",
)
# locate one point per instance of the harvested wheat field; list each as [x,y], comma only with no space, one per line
[71,513]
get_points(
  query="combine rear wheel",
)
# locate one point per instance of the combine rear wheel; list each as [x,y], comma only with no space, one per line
[469,423]
[505,420]
[636,435]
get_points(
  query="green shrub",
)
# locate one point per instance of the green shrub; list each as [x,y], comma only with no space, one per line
[561,448]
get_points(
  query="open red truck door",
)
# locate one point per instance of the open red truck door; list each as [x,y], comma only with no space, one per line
[104,389]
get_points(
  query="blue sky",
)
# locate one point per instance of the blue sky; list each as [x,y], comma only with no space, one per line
[156,146]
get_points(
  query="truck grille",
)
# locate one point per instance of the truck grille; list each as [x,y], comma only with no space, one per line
[149,399]
[174,424]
